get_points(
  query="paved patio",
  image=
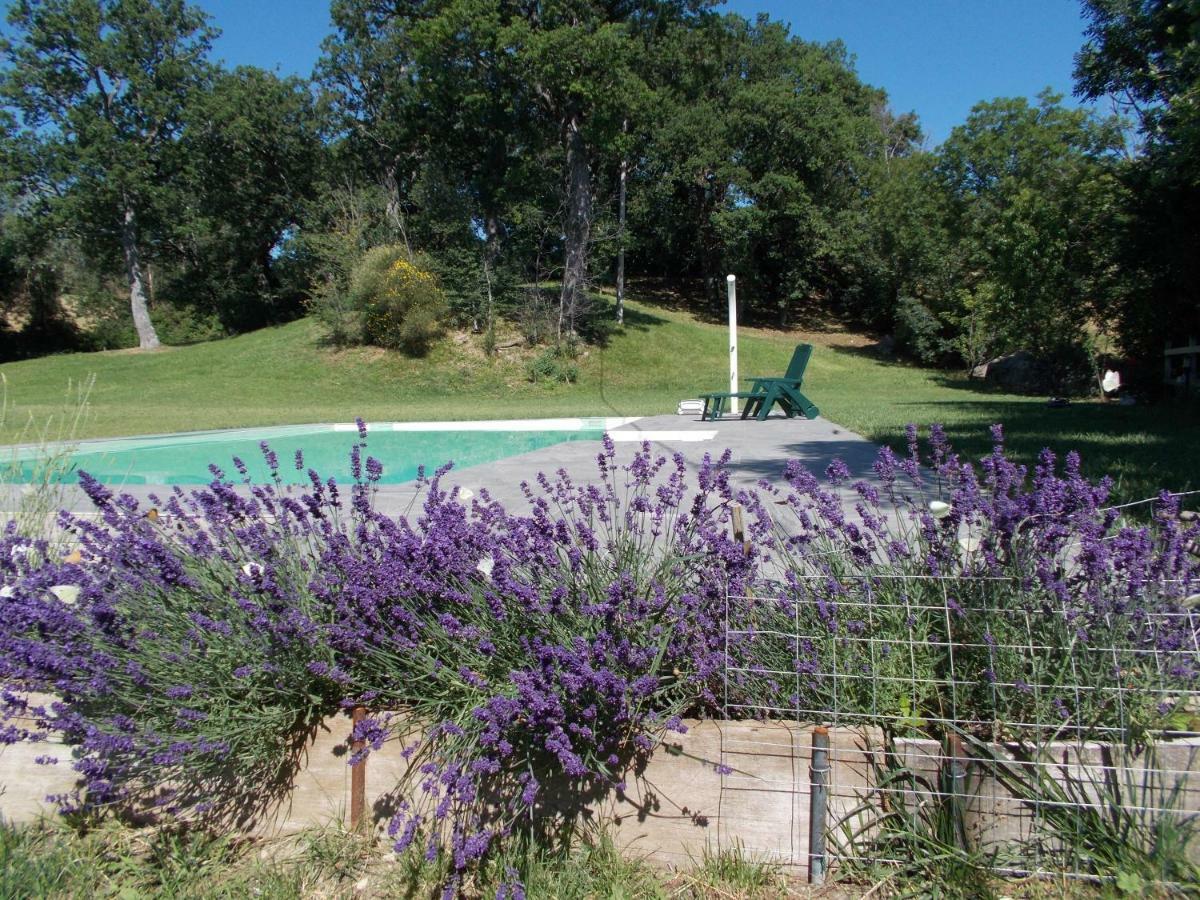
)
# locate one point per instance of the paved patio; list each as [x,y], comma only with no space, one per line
[759,451]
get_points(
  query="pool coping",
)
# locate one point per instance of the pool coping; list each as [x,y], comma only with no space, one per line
[267,432]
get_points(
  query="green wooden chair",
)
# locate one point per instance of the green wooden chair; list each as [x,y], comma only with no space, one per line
[765,392]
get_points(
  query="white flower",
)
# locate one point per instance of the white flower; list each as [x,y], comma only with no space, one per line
[67,593]
[938,509]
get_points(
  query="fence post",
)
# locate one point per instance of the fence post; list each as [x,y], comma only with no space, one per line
[818,804]
[739,527]
[955,778]
[358,773]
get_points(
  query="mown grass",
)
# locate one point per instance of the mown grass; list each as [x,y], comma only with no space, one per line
[287,375]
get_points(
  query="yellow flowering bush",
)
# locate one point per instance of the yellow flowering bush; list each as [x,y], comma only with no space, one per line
[401,301]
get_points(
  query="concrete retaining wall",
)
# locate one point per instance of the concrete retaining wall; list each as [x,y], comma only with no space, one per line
[676,808]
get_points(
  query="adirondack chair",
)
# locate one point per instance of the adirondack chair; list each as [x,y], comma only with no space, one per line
[766,391]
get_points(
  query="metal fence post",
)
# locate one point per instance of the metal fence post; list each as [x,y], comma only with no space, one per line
[956,787]
[818,805]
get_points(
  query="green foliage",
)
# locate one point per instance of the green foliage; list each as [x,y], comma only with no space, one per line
[101,89]
[1120,817]
[491,136]
[730,871]
[113,860]
[1145,58]
[917,826]
[757,165]
[126,143]
[555,364]
[921,334]
[118,861]
[401,302]
[1016,240]
[251,156]
[322,258]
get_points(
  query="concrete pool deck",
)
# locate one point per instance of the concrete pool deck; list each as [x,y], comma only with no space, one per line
[759,450]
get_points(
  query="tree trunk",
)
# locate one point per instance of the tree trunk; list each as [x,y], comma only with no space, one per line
[490,251]
[147,337]
[578,229]
[621,242]
[391,187]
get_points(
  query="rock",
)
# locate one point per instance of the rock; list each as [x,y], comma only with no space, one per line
[1021,372]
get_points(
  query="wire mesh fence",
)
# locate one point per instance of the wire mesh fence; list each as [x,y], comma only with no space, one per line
[989,724]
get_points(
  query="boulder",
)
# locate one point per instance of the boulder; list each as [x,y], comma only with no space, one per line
[1020,372]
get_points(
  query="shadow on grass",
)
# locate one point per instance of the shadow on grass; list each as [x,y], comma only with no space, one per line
[687,295]
[600,324]
[1143,449]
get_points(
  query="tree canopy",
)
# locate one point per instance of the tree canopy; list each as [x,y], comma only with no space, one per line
[514,145]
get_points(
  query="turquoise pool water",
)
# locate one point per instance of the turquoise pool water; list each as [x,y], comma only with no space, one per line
[184,458]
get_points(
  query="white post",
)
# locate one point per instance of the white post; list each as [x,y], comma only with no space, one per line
[731,280]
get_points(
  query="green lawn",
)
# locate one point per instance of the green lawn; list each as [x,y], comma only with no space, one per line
[285,375]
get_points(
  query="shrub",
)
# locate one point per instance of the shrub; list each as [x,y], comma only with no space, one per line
[554,364]
[921,334]
[321,261]
[401,301]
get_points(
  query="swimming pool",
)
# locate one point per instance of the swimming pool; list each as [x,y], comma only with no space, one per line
[401,446]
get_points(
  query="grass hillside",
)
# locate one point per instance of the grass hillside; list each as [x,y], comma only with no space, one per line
[287,375]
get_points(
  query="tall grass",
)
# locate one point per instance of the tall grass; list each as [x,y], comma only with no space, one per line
[114,860]
[34,477]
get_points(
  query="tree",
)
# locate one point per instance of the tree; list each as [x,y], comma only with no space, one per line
[488,145]
[482,96]
[369,77]
[758,165]
[1032,193]
[1145,55]
[101,87]
[250,153]
[585,64]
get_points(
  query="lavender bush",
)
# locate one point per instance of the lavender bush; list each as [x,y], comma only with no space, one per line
[985,596]
[193,647]
[188,651]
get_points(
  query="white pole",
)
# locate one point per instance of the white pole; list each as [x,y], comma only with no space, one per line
[731,280]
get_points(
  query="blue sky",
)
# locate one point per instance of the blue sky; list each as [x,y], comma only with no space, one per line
[935,57]
[941,57]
